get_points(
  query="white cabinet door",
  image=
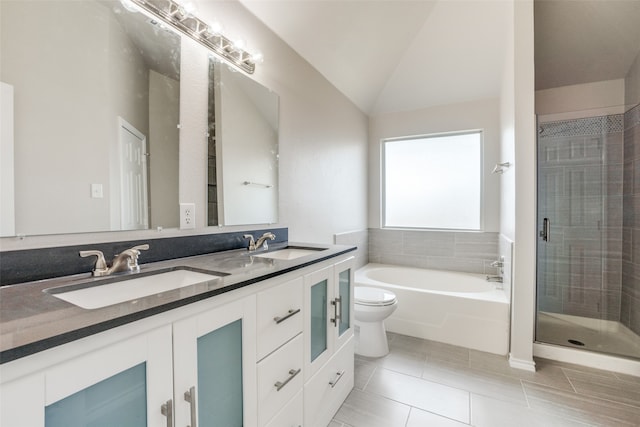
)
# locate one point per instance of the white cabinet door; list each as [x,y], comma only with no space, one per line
[215,366]
[121,384]
[343,302]
[318,332]
[328,313]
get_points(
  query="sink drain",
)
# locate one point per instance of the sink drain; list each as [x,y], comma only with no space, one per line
[576,342]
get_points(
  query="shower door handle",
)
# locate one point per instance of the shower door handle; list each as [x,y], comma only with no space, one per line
[546,229]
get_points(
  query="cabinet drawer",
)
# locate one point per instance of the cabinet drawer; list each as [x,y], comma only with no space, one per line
[279,379]
[327,389]
[291,415]
[279,316]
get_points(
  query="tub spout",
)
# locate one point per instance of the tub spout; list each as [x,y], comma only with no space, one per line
[494,279]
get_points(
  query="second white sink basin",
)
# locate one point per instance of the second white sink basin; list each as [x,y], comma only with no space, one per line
[102,295]
[289,253]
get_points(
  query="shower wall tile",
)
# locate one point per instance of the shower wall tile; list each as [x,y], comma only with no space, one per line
[630,296]
[442,250]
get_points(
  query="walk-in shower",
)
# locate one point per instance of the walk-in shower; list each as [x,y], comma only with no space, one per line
[588,271]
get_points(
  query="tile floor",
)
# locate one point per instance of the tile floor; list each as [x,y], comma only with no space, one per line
[424,383]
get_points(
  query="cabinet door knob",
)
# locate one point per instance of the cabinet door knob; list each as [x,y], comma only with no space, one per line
[336,313]
[338,377]
[190,396]
[290,313]
[167,410]
[292,374]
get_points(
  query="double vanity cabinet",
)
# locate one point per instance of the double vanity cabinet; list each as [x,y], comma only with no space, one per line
[277,353]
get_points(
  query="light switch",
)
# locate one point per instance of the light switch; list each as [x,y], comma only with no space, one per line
[96,191]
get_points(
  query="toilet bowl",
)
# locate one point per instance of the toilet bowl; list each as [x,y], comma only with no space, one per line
[371,307]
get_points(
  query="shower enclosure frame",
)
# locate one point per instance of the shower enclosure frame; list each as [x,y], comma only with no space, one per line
[584,277]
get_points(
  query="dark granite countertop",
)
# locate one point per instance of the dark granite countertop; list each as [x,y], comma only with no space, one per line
[33,320]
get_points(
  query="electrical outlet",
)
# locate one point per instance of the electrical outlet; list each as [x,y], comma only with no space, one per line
[187,215]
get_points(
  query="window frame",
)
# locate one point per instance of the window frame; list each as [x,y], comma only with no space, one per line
[383,199]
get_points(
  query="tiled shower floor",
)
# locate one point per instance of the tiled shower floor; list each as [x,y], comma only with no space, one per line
[424,383]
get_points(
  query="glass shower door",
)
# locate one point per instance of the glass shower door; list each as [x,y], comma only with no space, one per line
[580,231]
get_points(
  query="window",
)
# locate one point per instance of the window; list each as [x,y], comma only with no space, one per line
[433,181]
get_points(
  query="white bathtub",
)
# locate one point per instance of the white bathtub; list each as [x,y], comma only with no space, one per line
[456,308]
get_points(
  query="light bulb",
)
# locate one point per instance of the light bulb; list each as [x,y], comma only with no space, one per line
[257,58]
[186,7]
[214,27]
[239,44]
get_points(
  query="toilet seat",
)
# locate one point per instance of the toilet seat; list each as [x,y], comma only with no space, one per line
[373,296]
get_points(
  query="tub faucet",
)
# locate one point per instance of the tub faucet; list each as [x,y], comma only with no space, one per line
[126,260]
[262,241]
[496,279]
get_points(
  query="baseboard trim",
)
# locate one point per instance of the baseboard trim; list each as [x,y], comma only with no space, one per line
[526,365]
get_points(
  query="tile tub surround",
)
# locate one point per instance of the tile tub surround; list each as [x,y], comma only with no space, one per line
[426,383]
[45,263]
[360,239]
[469,252]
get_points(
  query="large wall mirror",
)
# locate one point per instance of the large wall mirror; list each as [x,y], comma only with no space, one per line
[243,131]
[92,93]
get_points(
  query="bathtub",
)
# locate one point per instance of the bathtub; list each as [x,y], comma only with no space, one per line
[455,308]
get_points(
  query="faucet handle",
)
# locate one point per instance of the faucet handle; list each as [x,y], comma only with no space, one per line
[101,263]
[252,243]
[133,255]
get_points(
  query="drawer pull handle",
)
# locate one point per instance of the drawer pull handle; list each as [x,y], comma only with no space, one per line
[190,396]
[167,410]
[336,315]
[290,313]
[292,374]
[338,377]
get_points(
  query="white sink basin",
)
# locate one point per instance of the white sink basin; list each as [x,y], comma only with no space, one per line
[289,253]
[102,295]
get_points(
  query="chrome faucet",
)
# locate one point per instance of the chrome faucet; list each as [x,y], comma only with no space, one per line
[262,241]
[126,260]
[494,279]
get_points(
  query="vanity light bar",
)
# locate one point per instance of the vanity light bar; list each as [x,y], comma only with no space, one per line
[181,18]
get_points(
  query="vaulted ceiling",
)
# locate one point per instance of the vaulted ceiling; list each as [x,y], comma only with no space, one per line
[395,55]
[399,55]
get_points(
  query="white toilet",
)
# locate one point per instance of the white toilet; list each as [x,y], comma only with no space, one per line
[371,307]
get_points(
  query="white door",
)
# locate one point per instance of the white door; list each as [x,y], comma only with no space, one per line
[133,178]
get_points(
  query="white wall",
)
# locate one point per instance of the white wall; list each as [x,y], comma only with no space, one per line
[323,145]
[632,84]
[581,100]
[524,253]
[481,114]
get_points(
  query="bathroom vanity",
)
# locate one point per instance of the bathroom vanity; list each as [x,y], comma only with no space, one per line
[261,341]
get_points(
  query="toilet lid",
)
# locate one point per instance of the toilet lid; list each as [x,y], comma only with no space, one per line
[373,296]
